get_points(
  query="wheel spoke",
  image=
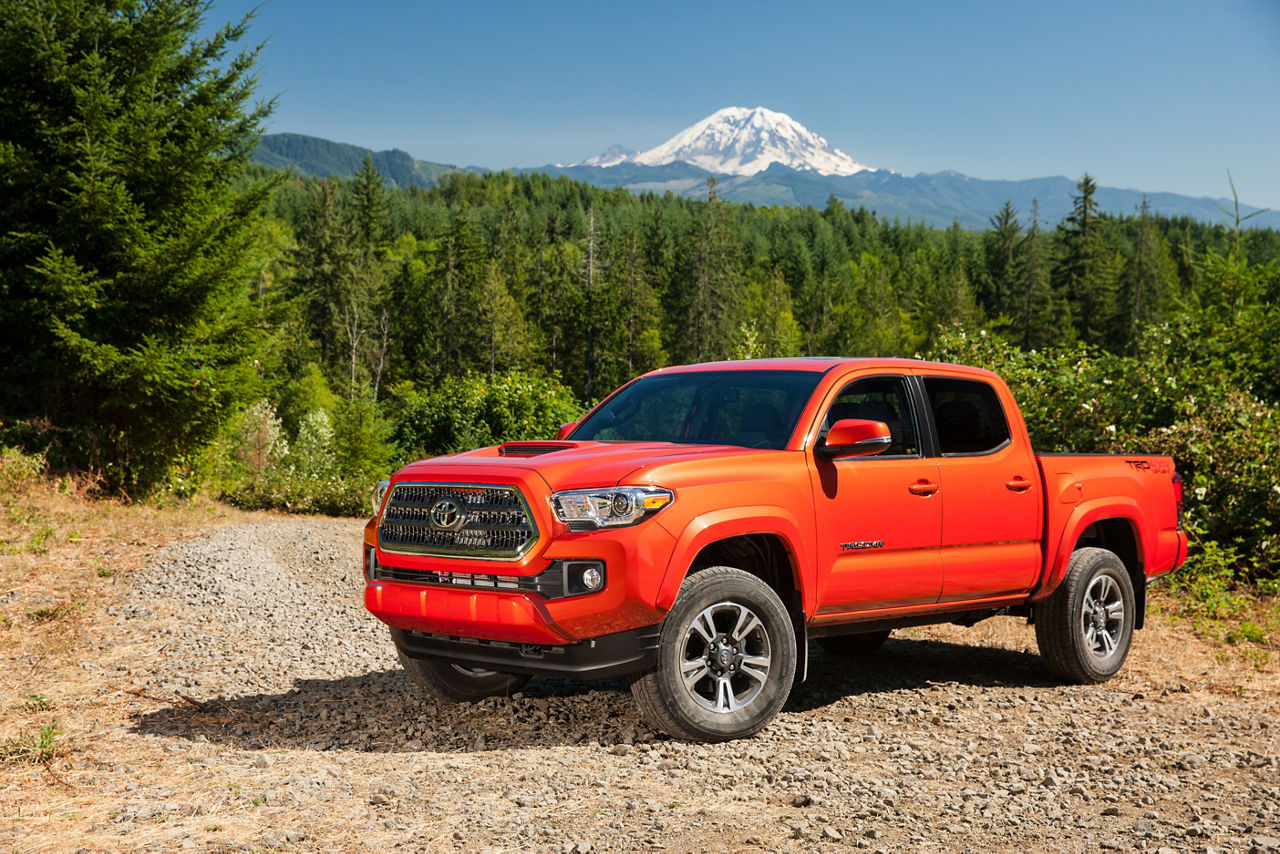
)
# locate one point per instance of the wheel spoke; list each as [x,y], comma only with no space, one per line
[1108,642]
[755,667]
[693,671]
[703,625]
[725,701]
[1115,611]
[747,623]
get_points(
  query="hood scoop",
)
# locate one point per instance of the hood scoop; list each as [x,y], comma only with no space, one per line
[532,449]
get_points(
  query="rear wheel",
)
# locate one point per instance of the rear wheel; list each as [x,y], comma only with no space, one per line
[726,659]
[864,643]
[1085,628]
[444,680]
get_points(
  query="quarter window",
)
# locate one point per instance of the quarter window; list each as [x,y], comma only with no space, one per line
[879,399]
[968,416]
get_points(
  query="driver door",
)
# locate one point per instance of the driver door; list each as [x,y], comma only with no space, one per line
[879,518]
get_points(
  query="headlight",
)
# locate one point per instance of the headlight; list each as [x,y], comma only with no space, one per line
[380,492]
[610,506]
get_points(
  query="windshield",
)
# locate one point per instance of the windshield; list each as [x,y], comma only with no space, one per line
[754,409]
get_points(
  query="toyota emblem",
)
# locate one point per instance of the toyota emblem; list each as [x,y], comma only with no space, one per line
[448,514]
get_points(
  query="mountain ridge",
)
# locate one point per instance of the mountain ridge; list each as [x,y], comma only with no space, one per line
[938,198]
[319,158]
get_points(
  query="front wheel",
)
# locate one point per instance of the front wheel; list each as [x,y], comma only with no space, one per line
[726,659]
[443,680]
[1085,628]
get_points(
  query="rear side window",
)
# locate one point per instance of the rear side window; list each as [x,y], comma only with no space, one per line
[968,416]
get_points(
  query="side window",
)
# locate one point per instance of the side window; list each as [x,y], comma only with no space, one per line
[879,399]
[968,416]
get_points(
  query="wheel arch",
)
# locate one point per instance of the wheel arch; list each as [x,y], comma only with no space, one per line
[769,542]
[1118,529]
[766,544]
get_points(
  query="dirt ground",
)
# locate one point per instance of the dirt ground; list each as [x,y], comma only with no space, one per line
[213,683]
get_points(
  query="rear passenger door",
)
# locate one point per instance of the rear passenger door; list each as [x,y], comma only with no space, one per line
[991,502]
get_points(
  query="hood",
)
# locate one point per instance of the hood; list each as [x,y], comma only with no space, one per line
[569,465]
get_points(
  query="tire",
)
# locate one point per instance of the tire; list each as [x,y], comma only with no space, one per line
[444,680]
[864,643]
[726,659]
[1085,628]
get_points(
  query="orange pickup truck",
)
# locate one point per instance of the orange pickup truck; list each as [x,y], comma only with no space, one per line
[703,522]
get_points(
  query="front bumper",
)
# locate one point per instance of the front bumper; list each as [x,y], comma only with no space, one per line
[635,559]
[599,658]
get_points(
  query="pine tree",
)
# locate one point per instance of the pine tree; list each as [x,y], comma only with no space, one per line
[998,287]
[708,307]
[125,255]
[371,213]
[1044,318]
[1089,271]
[1146,282]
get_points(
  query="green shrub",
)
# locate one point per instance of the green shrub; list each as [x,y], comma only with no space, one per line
[476,410]
[330,467]
[19,471]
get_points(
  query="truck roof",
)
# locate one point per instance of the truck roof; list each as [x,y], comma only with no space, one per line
[814,364]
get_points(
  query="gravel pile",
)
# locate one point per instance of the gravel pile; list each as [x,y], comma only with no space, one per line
[279,676]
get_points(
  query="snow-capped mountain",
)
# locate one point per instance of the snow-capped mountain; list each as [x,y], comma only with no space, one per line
[612,156]
[739,141]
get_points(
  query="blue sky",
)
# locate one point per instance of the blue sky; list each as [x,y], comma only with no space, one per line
[1156,96]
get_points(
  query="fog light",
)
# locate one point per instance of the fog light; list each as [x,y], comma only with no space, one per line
[583,576]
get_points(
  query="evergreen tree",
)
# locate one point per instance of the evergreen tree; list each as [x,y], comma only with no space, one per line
[371,213]
[998,286]
[1146,281]
[707,311]
[1043,321]
[1089,271]
[125,254]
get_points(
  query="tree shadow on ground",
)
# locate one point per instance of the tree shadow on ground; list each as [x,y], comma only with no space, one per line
[904,664]
[383,712]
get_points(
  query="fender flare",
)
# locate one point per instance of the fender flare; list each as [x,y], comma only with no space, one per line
[716,525]
[1081,518]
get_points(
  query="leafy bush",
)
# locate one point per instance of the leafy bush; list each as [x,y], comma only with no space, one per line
[478,410]
[330,466]
[18,471]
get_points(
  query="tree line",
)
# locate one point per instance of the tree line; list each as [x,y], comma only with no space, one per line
[173,318]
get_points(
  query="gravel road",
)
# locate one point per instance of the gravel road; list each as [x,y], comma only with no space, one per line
[298,730]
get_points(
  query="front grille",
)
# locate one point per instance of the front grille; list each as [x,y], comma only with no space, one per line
[457,520]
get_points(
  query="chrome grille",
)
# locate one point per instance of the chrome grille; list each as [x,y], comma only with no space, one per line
[494,523]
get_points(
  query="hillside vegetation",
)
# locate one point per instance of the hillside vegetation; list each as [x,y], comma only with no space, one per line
[174,319]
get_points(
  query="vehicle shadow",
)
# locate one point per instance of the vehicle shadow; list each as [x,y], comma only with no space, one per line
[383,712]
[908,664]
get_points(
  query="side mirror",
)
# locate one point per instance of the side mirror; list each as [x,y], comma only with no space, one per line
[854,437]
[566,429]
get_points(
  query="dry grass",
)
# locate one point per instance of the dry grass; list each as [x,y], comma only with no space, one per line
[64,710]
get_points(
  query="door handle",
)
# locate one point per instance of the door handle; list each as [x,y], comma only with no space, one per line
[923,487]
[1018,484]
